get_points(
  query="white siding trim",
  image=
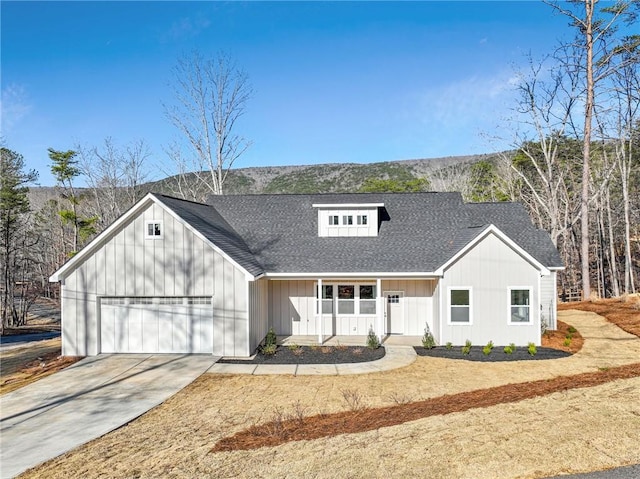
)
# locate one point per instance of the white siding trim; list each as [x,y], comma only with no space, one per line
[350,275]
[347,205]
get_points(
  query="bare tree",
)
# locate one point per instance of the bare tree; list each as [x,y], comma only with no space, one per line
[114,175]
[211,95]
[593,38]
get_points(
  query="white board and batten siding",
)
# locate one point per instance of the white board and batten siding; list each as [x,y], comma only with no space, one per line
[489,269]
[179,264]
[258,312]
[292,308]
[549,300]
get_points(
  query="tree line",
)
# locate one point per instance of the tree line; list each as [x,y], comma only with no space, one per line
[575,163]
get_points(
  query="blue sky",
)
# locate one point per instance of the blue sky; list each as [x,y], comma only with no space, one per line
[333,82]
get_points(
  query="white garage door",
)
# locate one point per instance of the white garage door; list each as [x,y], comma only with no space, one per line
[156,325]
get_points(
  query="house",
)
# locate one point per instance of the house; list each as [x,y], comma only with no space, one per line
[173,276]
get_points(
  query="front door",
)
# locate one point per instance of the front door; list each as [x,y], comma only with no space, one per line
[394,312]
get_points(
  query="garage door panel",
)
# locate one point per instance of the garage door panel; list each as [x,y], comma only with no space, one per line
[150,331]
[135,330]
[121,329]
[156,325]
[165,330]
[107,332]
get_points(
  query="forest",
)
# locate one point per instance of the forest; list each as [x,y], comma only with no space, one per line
[574,164]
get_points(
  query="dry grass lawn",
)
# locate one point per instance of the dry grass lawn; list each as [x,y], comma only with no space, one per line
[24,365]
[570,431]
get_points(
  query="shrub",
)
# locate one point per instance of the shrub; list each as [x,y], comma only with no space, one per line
[449,345]
[487,349]
[510,349]
[568,336]
[270,339]
[466,349]
[269,350]
[372,340]
[567,341]
[292,347]
[531,349]
[572,330]
[428,341]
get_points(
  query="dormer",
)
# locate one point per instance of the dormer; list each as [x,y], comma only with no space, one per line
[348,219]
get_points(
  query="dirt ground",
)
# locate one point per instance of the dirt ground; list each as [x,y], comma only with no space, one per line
[572,431]
[24,365]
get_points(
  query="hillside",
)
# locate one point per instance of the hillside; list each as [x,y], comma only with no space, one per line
[330,177]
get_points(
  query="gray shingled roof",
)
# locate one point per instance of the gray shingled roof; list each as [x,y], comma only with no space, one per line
[279,233]
[215,228]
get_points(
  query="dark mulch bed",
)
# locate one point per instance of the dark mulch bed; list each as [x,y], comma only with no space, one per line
[314,355]
[476,354]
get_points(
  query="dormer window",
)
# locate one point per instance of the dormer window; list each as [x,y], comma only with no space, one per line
[154,230]
[348,219]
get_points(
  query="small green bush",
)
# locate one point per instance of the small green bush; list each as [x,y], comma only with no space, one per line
[466,349]
[449,345]
[572,330]
[372,340]
[428,341]
[510,349]
[569,336]
[567,341]
[292,347]
[531,349]
[269,350]
[270,339]
[488,348]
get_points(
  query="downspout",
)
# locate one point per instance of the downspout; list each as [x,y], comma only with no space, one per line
[319,311]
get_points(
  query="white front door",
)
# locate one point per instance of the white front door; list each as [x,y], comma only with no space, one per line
[394,311]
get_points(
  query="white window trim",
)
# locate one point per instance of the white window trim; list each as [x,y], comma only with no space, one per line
[146,229]
[458,323]
[531,308]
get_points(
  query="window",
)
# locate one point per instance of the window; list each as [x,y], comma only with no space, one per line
[362,220]
[519,305]
[393,298]
[367,299]
[154,229]
[327,298]
[460,305]
[346,299]
[333,220]
[347,220]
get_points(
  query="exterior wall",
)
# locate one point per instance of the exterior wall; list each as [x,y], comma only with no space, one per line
[489,269]
[292,308]
[418,304]
[178,264]
[258,312]
[549,300]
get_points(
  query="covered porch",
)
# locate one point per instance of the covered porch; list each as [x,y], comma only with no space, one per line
[387,340]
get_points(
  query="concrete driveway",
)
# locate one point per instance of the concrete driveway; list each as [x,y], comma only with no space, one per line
[85,401]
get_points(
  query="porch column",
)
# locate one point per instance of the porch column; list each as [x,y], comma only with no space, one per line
[319,310]
[379,305]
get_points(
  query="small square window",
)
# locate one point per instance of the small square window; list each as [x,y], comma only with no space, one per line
[154,229]
[347,220]
[333,220]
[362,220]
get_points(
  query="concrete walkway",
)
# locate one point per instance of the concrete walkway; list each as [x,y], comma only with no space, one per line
[85,401]
[394,358]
